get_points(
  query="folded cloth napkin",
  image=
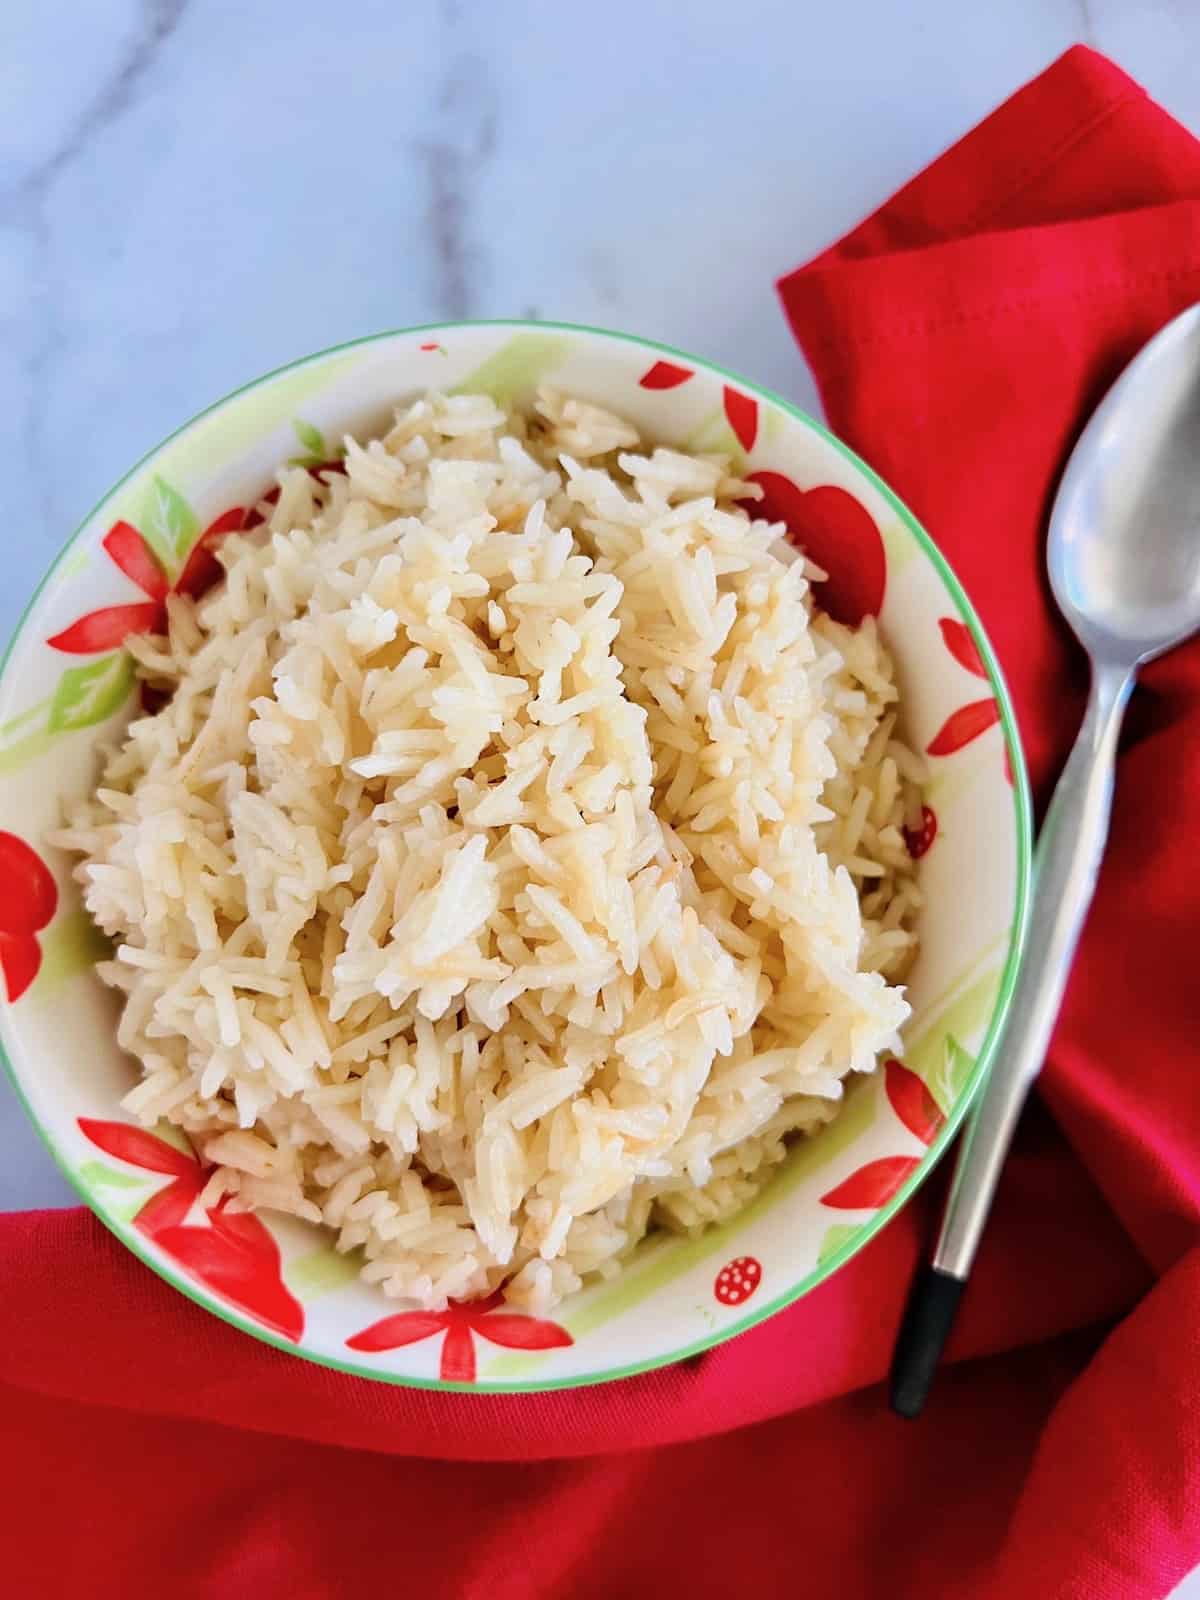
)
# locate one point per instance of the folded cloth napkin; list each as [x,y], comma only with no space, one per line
[960,337]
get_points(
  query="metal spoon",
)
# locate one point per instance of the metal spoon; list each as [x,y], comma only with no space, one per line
[1124,562]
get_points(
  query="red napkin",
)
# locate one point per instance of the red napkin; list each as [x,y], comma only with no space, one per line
[960,337]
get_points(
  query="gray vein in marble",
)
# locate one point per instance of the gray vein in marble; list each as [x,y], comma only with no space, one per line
[453,162]
[161,19]
[444,208]
[26,205]
[604,276]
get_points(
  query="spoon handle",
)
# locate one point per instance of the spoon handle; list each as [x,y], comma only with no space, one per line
[1068,858]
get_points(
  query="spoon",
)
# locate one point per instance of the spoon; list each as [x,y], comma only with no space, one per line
[1124,562]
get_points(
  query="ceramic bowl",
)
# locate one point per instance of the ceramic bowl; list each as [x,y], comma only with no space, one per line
[67,685]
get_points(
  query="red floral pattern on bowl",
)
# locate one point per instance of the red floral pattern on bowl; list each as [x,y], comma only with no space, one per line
[836,533]
[129,550]
[977,716]
[28,898]
[461,1322]
[231,1252]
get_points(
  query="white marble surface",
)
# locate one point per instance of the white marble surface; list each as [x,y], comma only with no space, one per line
[194,191]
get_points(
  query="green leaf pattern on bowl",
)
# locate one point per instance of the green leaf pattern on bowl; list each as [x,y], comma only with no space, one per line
[95,1175]
[516,369]
[90,693]
[70,946]
[166,521]
[320,1272]
[837,1237]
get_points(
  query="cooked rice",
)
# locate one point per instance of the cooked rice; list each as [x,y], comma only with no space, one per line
[518,863]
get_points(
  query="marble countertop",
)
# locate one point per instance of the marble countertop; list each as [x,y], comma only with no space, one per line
[179,214]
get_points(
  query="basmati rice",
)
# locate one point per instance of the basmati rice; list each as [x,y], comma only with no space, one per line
[518,862]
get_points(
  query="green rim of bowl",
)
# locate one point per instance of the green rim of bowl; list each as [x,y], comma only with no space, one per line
[1024,832]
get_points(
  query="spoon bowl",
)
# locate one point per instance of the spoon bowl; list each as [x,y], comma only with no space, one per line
[1124,546]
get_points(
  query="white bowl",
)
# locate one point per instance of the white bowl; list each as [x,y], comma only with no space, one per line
[281,1280]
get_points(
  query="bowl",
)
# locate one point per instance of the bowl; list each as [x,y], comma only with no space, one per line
[67,686]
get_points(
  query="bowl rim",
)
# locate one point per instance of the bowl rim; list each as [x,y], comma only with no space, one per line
[867,1230]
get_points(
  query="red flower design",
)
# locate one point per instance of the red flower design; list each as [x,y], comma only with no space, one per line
[836,533]
[912,1102]
[136,560]
[112,625]
[958,640]
[741,410]
[235,1254]
[918,840]
[202,569]
[870,1186]
[20,958]
[969,721]
[664,375]
[461,1321]
[28,897]
[237,1257]
[963,725]
[128,550]
[737,1280]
